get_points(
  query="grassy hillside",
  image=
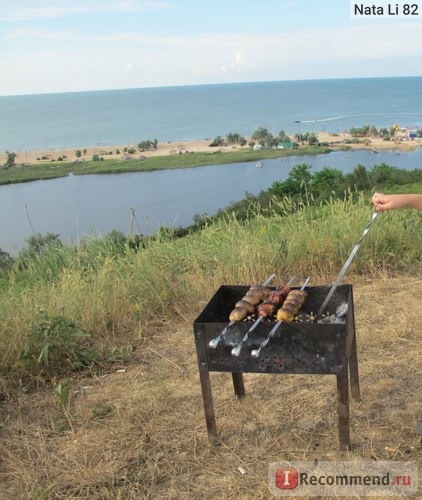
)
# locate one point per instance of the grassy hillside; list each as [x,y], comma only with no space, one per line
[110,293]
[99,388]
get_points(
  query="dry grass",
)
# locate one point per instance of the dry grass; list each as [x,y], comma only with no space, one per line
[141,433]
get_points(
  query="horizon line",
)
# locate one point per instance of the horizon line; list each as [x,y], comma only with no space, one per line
[117,89]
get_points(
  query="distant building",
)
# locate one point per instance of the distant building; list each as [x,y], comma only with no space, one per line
[285,145]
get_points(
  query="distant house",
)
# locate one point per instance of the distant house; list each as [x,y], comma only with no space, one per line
[257,147]
[285,145]
[412,134]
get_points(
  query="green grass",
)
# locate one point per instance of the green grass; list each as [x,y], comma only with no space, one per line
[187,160]
[114,295]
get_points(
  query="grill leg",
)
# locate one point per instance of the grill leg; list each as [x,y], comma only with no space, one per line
[343,410]
[239,386]
[208,406]
[354,370]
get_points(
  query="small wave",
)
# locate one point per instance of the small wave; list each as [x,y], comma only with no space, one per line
[345,117]
[332,118]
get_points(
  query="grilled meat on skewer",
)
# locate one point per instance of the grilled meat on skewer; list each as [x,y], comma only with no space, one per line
[287,312]
[256,294]
[291,306]
[274,300]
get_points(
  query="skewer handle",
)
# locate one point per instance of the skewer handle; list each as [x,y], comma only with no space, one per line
[255,352]
[214,342]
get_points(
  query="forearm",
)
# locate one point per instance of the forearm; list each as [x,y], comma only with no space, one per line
[413,201]
[384,202]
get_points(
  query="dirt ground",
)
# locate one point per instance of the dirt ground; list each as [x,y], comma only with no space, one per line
[138,429]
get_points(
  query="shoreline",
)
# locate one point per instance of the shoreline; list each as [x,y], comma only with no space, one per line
[116,152]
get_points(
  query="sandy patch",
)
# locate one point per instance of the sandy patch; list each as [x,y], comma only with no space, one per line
[336,141]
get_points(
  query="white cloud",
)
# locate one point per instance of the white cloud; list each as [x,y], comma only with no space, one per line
[362,41]
[24,13]
[129,59]
[239,58]
[41,33]
[12,12]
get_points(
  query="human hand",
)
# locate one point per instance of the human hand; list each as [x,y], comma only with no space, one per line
[384,202]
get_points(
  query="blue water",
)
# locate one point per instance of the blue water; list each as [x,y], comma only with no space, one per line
[79,205]
[118,117]
[76,206]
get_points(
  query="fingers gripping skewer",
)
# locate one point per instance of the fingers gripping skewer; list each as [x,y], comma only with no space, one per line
[236,350]
[256,352]
[214,342]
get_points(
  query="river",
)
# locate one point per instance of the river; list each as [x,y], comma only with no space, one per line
[78,206]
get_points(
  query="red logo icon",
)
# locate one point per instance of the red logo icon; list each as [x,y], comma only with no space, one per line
[286,479]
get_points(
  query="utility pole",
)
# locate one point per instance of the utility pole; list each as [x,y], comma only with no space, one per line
[134,220]
[29,218]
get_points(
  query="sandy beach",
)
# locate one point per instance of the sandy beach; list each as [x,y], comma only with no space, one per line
[401,143]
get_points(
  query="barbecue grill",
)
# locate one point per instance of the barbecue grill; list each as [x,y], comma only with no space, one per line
[301,347]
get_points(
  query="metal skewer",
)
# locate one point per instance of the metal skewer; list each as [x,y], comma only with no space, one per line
[345,267]
[214,342]
[255,352]
[236,350]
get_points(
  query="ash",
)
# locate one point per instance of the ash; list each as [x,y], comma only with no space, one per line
[338,317]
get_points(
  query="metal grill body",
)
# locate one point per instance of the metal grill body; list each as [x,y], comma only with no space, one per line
[296,348]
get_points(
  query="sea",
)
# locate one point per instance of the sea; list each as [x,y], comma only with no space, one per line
[118,117]
[76,207]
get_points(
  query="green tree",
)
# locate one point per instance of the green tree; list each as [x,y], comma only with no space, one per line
[296,183]
[364,131]
[217,141]
[10,159]
[358,178]
[283,137]
[235,138]
[312,139]
[78,153]
[385,134]
[263,137]
[382,174]
[147,144]
[326,182]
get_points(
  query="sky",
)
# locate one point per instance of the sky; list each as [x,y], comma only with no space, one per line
[73,45]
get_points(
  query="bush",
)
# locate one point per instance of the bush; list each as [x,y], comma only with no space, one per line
[235,138]
[39,244]
[217,141]
[5,260]
[54,345]
[10,159]
[148,144]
